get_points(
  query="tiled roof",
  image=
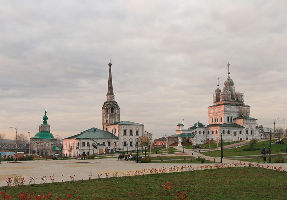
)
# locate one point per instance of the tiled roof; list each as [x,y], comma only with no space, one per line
[94,133]
[250,118]
[44,135]
[126,123]
[196,125]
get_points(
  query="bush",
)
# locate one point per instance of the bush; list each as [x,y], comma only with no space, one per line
[202,160]
[91,157]
[251,146]
[279,159]
[146,159]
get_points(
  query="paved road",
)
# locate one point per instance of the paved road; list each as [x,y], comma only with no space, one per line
[61,170]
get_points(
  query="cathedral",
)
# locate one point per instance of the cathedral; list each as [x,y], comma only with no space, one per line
[115,135]
[228,115]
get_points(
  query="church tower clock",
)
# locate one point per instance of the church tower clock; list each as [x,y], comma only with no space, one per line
[110,109]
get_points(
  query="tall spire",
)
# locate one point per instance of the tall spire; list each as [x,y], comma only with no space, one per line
[228,65]
[110,94]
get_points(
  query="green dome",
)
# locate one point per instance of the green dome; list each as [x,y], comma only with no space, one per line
[44,135]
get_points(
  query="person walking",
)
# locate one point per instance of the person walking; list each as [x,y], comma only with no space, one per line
[264,154]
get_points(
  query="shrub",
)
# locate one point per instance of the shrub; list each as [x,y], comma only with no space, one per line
[91,157]
[279,159]
[146,159]
[251,146]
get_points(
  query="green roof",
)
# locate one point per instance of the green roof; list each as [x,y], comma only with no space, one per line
[189,135]
[240,104]
[126,123]
[94,133]
[250,118]
[55,148]
[196,125]
[226,125]
[44,135]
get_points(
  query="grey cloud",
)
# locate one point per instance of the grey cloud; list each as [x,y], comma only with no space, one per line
[166,58]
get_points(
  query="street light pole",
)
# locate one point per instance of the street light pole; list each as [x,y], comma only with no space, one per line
[270,146]
[29,143]
[16,138]
[137,146]
[221,147]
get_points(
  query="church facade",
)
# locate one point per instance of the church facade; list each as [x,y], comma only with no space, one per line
[44,143]
[229,116]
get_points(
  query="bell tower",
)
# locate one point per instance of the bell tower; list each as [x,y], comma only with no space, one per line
[110,109]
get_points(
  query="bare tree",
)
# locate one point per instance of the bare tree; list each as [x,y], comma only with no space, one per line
[22,139]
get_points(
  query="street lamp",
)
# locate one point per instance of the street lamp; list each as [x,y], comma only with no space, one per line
[16,138]
[270,143]
[137,146]
[221,148]
[29,143]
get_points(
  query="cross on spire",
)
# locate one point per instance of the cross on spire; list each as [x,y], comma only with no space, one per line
[218,82]
[228,65]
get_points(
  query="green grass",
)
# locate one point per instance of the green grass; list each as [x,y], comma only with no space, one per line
[177,159]
[231,183]
[213,145]
[275,148]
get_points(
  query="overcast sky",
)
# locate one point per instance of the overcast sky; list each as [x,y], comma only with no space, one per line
[166,57]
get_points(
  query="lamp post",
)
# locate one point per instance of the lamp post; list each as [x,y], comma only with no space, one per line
[137,146]
[16,138]
[29,143]
[221,147]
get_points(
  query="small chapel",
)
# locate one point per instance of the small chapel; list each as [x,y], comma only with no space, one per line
[44,143]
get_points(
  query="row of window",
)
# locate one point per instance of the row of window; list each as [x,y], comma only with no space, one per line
[131,132]
[88,144]
[131,143]
[228,132]
[229,119]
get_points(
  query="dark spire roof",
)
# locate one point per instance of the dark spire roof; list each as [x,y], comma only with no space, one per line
[110,81]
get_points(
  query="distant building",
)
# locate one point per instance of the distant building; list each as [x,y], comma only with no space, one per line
[91,141]
[44,143]
[228,115]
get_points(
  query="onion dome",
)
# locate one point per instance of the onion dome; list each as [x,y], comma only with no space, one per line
[229,82]
[45,118]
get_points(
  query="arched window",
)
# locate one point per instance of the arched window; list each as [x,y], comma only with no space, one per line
[228,132]
[223,132]
[212,120]
[216,132]
[227,119]
[112,110]
[203,132]
[220,119]
[199,132]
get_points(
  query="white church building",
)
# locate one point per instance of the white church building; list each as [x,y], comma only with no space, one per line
[115,135]
[228,115]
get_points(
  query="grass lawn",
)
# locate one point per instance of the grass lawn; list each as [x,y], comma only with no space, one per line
[275,148]
[230,183]
[178,159]
[213,145]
